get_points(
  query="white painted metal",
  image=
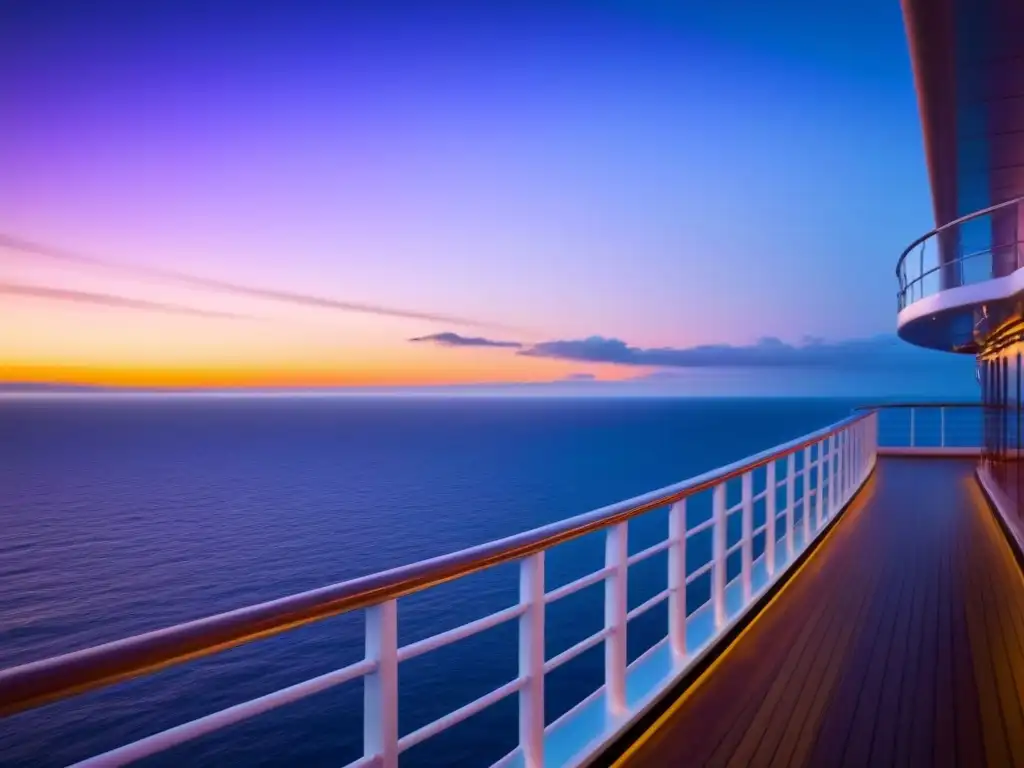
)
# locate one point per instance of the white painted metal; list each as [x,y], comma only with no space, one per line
[698,572]
[677,578]
[647,604]
[848,466]
[652,550]
[718,554]
[856,457]
[707,524]
[819,497]
[948,452]
[616,556]
[573,651]
[790,504]
[380,689]
[808,495]
[840,472]
[575,586]
[769,516]
[833,482]
[849,452]
[180,734]
[851,465]
[928,307]
[531,660]
[460,714]
[442,639]
[747,486]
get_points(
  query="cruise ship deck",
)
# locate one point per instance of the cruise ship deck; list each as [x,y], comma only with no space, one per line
[900,641]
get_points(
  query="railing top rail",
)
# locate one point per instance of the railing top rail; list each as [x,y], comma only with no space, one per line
[923,404]
[954,223]
[48,680]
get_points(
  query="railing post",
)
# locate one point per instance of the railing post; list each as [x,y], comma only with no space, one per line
[942,427]
[747,547]
[873,441]
[844,475]
[833,476]
[819,518]
[616,554]
[677,578]
[771,492]
[865,428]
[862,442]
[531,660]
[858,449]
[808,495]
[380,687]
[790,504]
[849,435]
[911,427]
[718,553]
[857,455]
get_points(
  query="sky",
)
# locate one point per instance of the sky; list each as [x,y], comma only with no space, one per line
[299,194]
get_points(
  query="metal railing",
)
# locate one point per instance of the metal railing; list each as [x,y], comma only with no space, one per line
[800,486]
[962,252]
[930,428]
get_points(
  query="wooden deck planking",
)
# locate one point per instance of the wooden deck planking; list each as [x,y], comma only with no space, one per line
[900,643]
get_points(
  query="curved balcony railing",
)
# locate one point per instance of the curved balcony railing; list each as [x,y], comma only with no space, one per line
[786,498]
[972,249]
[931,428]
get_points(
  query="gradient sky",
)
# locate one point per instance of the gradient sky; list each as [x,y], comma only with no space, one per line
[670,174]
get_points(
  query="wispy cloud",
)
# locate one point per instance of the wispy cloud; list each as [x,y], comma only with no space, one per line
[237,289]
[870,352]
[48,293]
[874,351]
[449,339]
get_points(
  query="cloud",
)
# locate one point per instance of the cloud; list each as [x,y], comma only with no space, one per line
[449,339]
[874,351]
[237,289]
[107,300]
[870,352]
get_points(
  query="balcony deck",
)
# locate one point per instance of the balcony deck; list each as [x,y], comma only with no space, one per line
[916,657]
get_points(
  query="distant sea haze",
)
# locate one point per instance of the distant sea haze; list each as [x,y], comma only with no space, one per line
[953,382]
[122,515]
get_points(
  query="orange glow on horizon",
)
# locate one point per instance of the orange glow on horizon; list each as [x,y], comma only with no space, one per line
[62,344]
[260,378]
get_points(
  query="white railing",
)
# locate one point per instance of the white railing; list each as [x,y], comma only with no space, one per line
[972,249]
[930,429]
[814,477]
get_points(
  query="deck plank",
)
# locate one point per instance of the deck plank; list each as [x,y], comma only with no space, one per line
[900,643]
[970,749]
[859,740]
[802,729]
[914,720]
[942,747]
[765,694]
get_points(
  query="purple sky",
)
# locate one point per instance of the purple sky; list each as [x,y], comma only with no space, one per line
[712,173]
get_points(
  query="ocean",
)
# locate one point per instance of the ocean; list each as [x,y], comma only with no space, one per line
[119,516]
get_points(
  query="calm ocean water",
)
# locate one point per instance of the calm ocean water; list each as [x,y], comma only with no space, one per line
[122,516]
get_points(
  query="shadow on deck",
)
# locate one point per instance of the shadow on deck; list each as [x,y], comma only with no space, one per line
[900,642]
